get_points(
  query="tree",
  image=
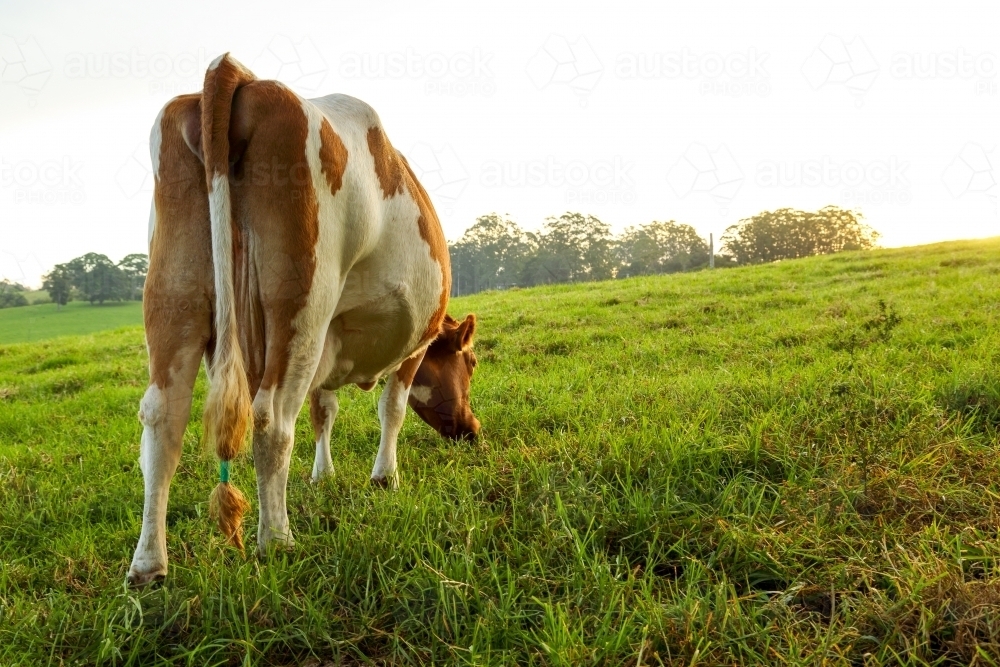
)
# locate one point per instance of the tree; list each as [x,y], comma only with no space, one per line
[134,268]
[660,247]
[11,294]
[571,248]
[59,284]
[97,278]
[489,255]
[789,233]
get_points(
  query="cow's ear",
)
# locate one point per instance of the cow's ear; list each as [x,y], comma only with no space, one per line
[466,330]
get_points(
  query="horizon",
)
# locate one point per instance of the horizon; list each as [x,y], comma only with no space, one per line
[697,115]
[877,247]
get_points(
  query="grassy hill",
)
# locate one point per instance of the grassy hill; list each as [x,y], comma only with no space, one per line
[45,321]
[788,464]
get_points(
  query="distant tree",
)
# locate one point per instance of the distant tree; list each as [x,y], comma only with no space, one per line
[59,284]
[12,294]
[7,285]
[571,248]
[97,278]
[660,247]
[788,233]
[134,268]
[489,255]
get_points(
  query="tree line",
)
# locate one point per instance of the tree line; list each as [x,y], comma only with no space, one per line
[496,253]
[95,278]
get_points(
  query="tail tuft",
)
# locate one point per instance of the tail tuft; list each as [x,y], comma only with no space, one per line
[227,505]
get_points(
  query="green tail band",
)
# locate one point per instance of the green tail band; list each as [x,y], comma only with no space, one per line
[224,472]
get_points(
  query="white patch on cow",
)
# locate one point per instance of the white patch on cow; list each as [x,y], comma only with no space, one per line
[157,462]
[219,205]
[395,257]
[155,142]
[421,393]
[215,63]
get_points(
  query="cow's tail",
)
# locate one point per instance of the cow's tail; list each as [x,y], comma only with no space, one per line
[228,407]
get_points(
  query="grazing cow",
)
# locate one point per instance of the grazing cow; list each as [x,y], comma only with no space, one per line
[292,247]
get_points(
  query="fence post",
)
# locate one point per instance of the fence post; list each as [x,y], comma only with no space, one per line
[711,252]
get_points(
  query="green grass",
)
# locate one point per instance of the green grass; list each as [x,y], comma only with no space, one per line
[788,464]
[45,321]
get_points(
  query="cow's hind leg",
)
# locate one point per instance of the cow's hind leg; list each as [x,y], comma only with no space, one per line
[177,313]
[276,406]
[164,412]
[322,412]
[275,412]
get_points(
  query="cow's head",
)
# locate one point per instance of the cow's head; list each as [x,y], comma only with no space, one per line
[440,390]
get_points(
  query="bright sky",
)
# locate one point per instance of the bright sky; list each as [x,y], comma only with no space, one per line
[703,113]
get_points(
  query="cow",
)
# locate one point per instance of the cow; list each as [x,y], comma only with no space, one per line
[294,250]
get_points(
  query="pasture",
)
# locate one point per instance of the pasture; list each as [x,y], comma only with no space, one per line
[44,321]
[793,463]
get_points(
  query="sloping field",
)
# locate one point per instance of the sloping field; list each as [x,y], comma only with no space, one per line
[788,464]
[45,321]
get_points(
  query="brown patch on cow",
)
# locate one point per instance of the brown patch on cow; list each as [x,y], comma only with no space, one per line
[179,291]
[318,414]
[430,232]
[332,156]
[387,163]
[393,173]
[409,367]
[275,206]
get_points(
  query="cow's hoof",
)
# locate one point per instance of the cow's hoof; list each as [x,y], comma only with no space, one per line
[275,541]
[144,579]
[386,482]
[319,476]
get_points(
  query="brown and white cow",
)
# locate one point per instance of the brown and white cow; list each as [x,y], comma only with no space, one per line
[292,247]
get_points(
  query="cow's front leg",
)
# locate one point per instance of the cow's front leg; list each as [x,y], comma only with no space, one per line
[322,412]
[164,412]
[391,412]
